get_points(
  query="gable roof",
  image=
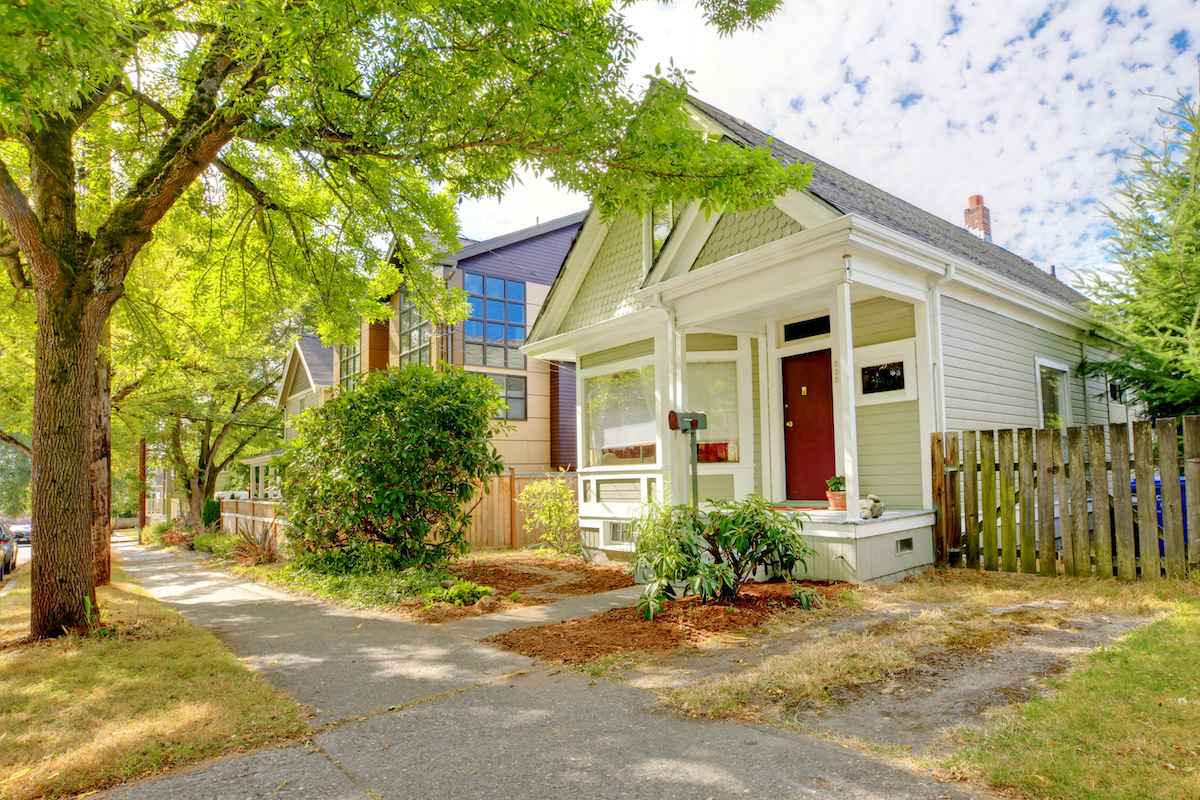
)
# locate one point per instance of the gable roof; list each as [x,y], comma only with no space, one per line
[853,196]
[318,359]
[314,359]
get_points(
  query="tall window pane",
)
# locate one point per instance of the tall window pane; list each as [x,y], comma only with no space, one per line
[712,390]
[1054,396]
[621,418]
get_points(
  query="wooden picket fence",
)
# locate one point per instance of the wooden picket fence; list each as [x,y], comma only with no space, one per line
[1015,500]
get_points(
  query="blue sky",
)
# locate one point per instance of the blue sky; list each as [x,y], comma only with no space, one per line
[1027,103]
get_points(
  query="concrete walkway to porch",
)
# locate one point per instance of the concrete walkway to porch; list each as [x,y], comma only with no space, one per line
[546,614]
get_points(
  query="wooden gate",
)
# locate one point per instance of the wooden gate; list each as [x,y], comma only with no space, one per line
[1029,500]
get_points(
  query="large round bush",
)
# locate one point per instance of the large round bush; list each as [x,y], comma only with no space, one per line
[382,474]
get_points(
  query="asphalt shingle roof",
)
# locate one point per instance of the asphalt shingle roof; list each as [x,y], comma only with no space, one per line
[853,196]
[318,358]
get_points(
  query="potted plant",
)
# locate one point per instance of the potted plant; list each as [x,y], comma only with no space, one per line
[837,493]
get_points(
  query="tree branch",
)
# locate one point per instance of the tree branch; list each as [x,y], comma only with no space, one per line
[90,104]
[242,180]
[17,443]
[22,223]
[228,426]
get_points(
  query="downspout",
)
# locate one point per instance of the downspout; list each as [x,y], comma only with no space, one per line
[939,382]
[1087,401]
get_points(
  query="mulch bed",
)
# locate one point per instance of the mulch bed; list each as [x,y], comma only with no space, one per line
[683,623]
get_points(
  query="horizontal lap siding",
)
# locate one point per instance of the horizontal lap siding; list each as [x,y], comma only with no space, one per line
[882,319]
[990,370]
[645,347]
[890,460]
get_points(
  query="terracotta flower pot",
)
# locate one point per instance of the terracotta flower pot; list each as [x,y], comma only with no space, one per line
[837,500]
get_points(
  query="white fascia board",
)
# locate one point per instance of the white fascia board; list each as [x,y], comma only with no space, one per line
[280,399]
[885,241]
[574,271]
[789,248]
[808,210]
[600,336]
[687,240]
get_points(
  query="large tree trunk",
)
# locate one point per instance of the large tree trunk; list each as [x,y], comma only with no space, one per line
[101,469]
[62,575]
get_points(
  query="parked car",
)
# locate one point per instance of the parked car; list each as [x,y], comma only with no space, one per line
[23,532]
[8,549]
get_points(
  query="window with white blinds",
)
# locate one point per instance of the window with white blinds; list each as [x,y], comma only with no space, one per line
[712,390]
[621,419]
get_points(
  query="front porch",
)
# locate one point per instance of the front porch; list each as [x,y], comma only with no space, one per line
[813,356]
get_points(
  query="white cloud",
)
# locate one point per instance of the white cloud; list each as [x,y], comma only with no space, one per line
[1027,103]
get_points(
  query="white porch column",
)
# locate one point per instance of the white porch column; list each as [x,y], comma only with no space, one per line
[671,368]
[844,376]
[926,394]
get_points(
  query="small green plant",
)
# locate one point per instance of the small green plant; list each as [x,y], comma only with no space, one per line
[515,597]
[837,483]
[462,593]
[550,508]
[808,598]
[220,545]
[713,552]
[210,515]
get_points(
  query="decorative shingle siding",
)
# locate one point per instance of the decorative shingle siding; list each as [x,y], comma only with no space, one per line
[737,233]
[615,273]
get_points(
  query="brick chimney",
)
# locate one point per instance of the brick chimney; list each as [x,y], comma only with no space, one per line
[979,221]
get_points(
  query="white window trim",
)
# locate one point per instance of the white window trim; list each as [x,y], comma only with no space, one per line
[1038,363]
[741,357]
[581,377]
[903,350]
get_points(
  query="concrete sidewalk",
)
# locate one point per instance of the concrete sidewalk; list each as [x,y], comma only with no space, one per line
[540,734]
[338,661]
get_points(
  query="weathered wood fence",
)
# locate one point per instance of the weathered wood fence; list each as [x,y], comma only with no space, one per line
[1015,500]
[497,520]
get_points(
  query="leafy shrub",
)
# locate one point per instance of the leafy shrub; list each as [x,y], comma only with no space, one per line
[712,552]
[462,593]
[550,507]
[392,462]
[154,535]
[220,545]
[210,515]
[356,558]
[178,534]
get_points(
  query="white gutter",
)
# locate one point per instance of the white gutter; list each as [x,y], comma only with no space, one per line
[939,371]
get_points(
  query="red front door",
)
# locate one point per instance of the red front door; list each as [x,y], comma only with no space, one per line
[808,424]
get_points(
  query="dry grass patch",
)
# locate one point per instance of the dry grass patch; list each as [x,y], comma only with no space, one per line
[942,609]
[143,692]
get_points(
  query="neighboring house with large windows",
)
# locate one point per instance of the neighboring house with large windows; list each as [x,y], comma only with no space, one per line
[829,333]
[506,280]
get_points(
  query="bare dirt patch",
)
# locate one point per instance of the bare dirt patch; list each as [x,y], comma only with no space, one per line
[686,623]
[536,579]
